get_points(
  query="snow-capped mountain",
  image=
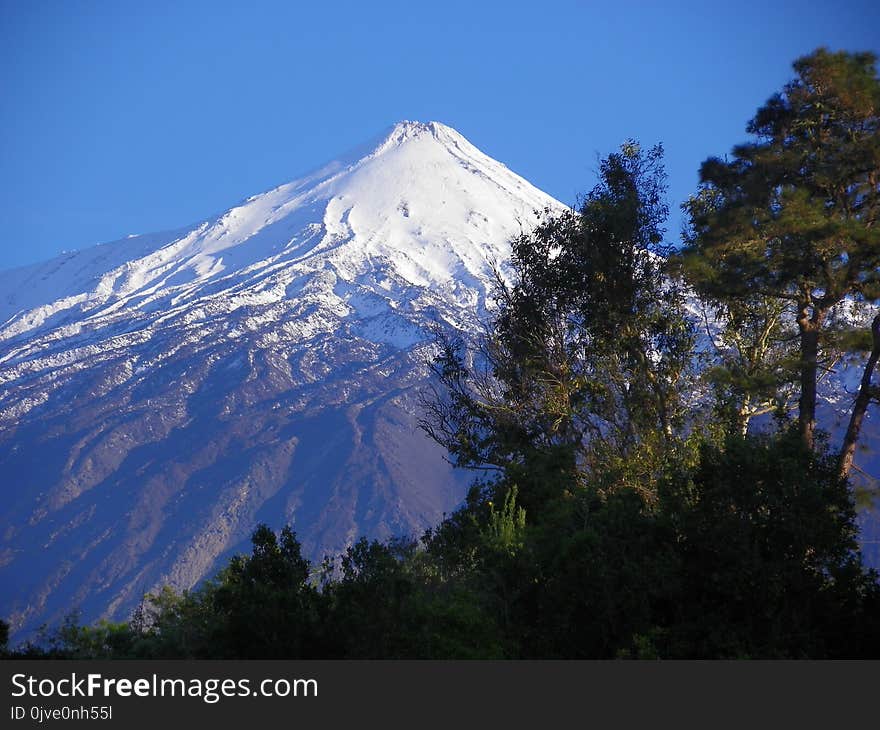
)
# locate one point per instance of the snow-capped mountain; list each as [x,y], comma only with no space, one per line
[162,394]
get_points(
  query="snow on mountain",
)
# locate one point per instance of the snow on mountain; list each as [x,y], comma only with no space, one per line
[162,394]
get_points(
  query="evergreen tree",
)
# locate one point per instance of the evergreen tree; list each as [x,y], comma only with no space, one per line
[260,606]
[792,216]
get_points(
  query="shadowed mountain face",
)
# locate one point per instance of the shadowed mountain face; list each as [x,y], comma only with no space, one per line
[161,395]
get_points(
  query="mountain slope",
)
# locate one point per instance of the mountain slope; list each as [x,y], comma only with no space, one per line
[162,394]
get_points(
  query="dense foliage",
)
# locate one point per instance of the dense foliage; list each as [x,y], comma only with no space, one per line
[618,516]
[747,550]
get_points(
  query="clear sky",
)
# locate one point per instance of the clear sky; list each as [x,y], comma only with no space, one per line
[123,117]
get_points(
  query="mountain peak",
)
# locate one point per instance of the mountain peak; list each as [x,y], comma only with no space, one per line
[413,127]
[407,129]
[406,134]
[159,394]
[398,135]
[420,197]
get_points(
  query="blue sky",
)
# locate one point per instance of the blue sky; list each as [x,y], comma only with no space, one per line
[131,117]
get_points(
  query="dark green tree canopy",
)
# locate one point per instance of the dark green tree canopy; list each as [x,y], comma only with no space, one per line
[794,212]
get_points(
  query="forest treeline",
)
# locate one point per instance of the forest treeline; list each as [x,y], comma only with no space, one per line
[655,480]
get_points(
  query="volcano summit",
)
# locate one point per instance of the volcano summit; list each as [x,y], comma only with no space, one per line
[162,394]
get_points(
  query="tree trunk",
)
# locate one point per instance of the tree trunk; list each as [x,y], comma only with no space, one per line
[743,416]
[809,328]
[863,399]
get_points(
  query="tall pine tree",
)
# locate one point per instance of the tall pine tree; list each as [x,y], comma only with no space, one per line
[792,216]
